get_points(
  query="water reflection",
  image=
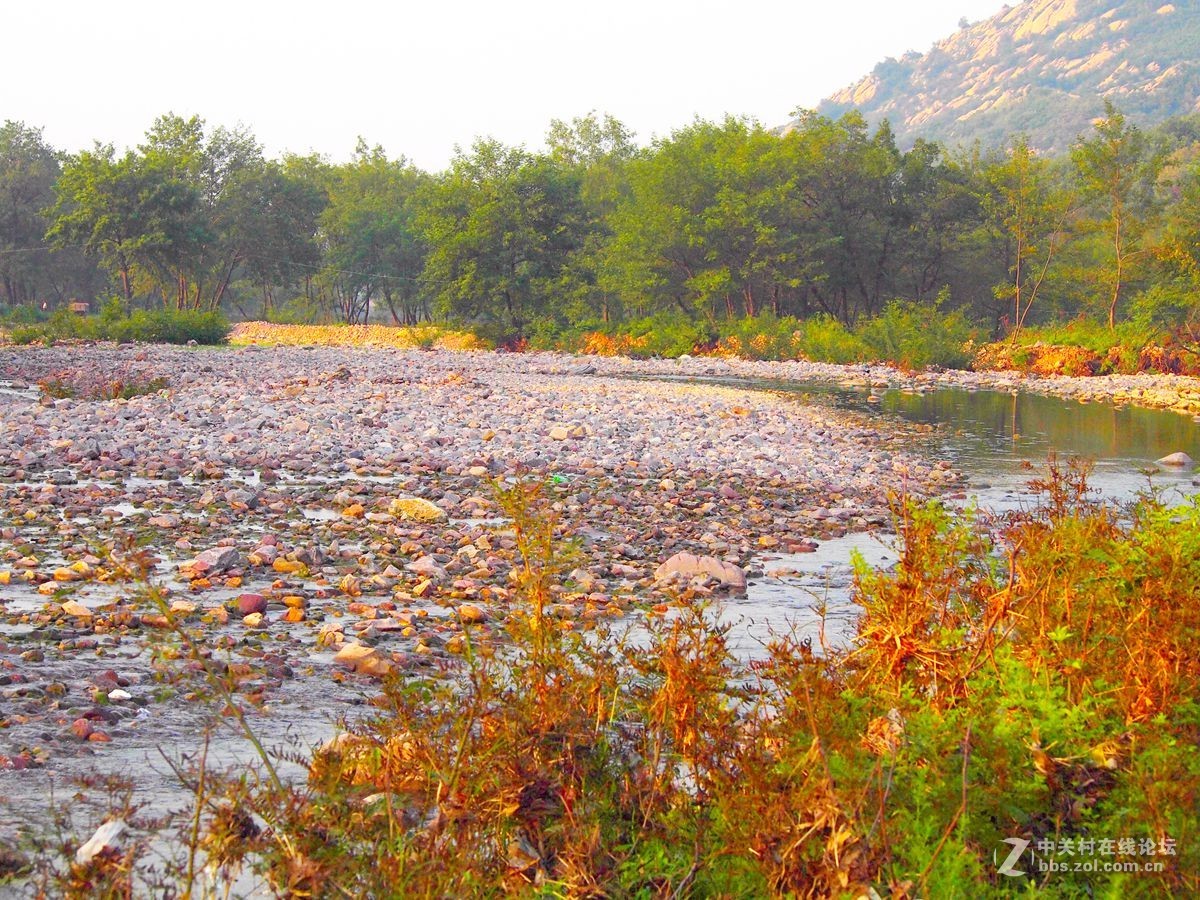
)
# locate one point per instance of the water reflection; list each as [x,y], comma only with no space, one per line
[996,437]
[1000,441]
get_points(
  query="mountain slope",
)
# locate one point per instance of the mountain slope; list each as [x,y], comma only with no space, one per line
[1044,68]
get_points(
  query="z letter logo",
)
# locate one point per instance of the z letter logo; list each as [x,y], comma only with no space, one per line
[1019,846]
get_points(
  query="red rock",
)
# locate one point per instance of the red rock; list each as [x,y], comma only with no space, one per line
[82,729]
[251,603]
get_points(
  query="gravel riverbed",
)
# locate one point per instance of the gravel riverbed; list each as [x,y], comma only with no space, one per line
[260,486]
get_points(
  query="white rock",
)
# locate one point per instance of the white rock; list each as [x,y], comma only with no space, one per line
[1176,459]
[105,837]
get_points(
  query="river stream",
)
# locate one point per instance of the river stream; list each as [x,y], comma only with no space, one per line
[1000,441]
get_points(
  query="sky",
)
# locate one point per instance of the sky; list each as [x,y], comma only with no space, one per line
[421,78]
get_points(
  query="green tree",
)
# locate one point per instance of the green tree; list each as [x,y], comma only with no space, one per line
[1117,168]
[373,246]
[124,211]
[1029,210]
[206,244]
[271,217]
[502,225]
[852,209]
[670,248]
[28,170]
[597,150]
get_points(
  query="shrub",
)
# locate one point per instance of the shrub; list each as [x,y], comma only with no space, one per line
[297,311]
[26,314]
[825,339]
[169,326]
[662,335]
[917,335]
[1093,335]
[765,336]
[164,326]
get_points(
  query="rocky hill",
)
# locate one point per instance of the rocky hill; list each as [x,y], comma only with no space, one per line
[1044,68]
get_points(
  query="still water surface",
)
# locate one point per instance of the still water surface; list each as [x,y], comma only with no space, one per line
[999,441]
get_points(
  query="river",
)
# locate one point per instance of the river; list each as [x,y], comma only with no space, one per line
[999,441]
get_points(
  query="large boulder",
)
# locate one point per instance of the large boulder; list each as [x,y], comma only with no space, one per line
[1179,459]
[686,566]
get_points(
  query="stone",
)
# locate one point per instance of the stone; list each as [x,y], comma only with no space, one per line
[417,510]
[78,610]
[470,614]
[688,566]
[1178,459]
[251,603]
[218,559]
[362,659]
[559,433]
[427,567]
[263,555]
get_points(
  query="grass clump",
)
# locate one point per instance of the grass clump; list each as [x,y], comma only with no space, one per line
[1083,347]
[906,334]
[92,386]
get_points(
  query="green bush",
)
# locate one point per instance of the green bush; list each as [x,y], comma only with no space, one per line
[161,326]
[1094,335]
[764,336]
[664,335]
[824,339]
[917,335]
[553,333]
[26,314]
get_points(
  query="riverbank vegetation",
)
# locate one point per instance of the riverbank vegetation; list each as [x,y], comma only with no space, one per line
[828,241]
[1030,679]
[161,326]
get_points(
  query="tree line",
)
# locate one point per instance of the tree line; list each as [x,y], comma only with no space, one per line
[719,220]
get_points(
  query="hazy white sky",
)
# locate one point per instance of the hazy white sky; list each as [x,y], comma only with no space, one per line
[420,78]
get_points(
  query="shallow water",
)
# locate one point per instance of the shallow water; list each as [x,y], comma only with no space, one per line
[999,441]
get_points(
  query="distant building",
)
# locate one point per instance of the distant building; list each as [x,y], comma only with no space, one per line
[80,307]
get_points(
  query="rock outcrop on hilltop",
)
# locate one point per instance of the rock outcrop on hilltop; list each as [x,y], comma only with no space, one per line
[1043,68]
